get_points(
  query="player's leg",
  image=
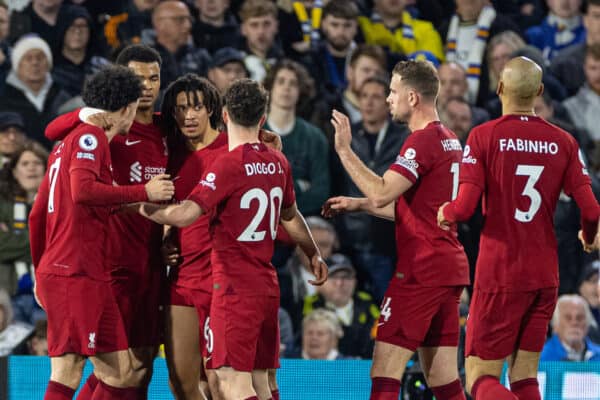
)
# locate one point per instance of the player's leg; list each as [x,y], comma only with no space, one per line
[260,382]
[235,384]
[267,351]
[117,377]
[523,364]
[182,351]
[483,379]
[65,376]
[273,384]
[389,362]
[439,352]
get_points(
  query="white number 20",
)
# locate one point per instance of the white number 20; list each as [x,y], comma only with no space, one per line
[533,172]
[251,234]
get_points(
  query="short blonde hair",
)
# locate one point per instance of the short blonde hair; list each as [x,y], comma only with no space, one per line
[322,315]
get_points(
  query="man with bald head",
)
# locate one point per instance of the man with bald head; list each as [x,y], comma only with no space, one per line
[519,163]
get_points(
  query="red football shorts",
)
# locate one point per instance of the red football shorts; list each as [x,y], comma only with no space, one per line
[140,295]
[414,316]
[501,323]
[198,299]
[83,315]
[244,332]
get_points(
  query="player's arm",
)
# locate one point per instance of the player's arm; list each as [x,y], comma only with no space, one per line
[179,215]
[381,191]
[461,208]
[295,225]
[590,214]
[37,223]
[343,204]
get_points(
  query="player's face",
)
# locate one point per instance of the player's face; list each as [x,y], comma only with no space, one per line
[591,68]
[363,69]
[398,100]
[193,119]
[318,340]
[149,73]
[339,31]
[372,103]
[572,326]
[285,90]
[29,171]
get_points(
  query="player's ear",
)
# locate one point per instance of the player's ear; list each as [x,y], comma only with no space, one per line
[225,117]
[413,98]
[540,90]
[500,88]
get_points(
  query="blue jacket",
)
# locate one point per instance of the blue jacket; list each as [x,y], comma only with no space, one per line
[544,36]
[554,350]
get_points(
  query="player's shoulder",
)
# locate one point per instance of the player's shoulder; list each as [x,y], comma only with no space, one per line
[87,137]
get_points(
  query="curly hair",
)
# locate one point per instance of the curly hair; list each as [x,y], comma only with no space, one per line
[306,83]
[139,53]
[9,187]
[246,102]
[191,84]
[112,88]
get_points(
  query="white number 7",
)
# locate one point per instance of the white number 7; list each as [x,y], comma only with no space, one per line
[53,176]
[533,172]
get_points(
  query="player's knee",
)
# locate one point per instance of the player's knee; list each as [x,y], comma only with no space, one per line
[67,370]
[273,379]
[525,368]
[476,368]
[441,376]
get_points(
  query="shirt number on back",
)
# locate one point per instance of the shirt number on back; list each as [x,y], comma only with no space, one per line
[251,234]
[53,176]
[533,173]
[454,170]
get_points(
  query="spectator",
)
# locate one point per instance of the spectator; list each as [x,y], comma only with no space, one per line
[392,27]
[215,27]
[304,144]
[567,65]
[294,276]
[563,27]
[500,49]
[453,83]
[227,66]
[38,343]
[366,61]
[329,59]
[571,321]
[4,44]
[172,24]
[355,309]
[259,29]
[74,58]
[133,25]
[299,25]
[321,332]
[377,141]
[12,333]
[12,135]
[589,289]
[456,115]
[19,183]
[583,107]
[30,90]
[467,35]
[40,17]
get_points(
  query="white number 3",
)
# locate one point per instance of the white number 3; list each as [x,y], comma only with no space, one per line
[533,172]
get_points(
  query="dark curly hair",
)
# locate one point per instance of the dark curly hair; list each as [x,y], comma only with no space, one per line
[139,53]
[191,84]
[112,88]
[9,187]
[246,102]
[306,83]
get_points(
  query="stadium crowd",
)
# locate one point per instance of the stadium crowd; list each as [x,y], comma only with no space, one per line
[312,57]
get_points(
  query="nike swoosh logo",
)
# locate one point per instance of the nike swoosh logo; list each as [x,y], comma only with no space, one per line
[131,143]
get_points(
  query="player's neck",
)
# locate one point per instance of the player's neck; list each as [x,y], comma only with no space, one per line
[238,135]
[517,109]
[145,116]
[202,141]
[421,117]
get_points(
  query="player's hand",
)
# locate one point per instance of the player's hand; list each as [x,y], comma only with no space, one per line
[35,295]
[160,188]
[589,248]
[343,133]
[441,220]
[270,139]
[169,249]
[100,119]
[319,270]
[338,205]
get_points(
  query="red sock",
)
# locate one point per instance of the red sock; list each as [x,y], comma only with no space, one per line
[275,394]
[58,391]
[449,391]
[385,388]
[107,392]
[88,388]
[488,387]
[526,389]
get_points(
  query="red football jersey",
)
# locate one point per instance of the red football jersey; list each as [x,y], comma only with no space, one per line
[521,163]
[247,187]
[76,234]
[194,240]
[430,159]
[137,157]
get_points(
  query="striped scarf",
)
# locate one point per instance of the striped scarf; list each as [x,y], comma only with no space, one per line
[310,28]
[476,54]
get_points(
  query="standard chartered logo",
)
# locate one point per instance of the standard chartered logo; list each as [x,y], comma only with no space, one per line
[135,172]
